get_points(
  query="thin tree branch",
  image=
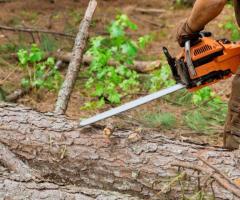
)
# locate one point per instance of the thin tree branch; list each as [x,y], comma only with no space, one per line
[30,30]
[9,159]
[217,177]
[76,60]
[218,171]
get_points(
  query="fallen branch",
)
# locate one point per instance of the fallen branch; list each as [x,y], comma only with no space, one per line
[18,93]
[139,66]
[218,171]
[8,159]
[217,177]
[76,60]
[150,10]
[30,30]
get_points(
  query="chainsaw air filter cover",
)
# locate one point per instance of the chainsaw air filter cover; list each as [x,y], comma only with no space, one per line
[205,48]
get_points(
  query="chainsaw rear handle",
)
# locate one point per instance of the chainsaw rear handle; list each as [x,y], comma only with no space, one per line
[194,37]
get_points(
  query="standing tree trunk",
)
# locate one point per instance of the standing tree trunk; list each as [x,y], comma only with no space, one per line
[76,59]
[142,166]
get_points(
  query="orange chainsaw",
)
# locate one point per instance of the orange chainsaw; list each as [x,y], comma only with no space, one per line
[202,62]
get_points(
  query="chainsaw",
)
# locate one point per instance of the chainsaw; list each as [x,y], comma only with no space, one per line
[202,62]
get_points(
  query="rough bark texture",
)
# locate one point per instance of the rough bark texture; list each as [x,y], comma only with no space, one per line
[12,188]
[61,152]
[76,60]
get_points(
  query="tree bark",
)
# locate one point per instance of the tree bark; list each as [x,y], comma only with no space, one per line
[76,60]
[21,190]
[61,152]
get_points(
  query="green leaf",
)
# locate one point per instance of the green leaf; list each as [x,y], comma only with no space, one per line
[38,83]
[116,31]
[130,49]
[125,22]
[100,103]
[99,91]
[25,83]
[143,41]
[89,83]
[36,54]
[50,61]
[23,56]
[114,97]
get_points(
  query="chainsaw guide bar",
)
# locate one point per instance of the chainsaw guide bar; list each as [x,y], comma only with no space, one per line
[132,104]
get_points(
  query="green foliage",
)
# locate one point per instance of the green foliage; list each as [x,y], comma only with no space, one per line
[6,48]
[203,95]
[184,97]
[206,112]
[233,28]
[181,97]
[48,43]
[76,16]
[41,74]
[2,94]
[94,104]
[164,120]
[207,118]
[161,78]
[108,82]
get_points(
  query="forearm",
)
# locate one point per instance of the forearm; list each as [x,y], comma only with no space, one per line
[203,12]
[237,10]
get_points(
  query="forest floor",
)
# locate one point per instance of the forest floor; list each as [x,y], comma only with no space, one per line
[65,16]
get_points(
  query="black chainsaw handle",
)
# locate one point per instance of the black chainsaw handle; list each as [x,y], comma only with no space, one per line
[195,37]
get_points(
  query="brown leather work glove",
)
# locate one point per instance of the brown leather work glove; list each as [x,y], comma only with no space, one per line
[185,33]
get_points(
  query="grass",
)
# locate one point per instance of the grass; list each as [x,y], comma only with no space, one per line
[48,43]
[160,120]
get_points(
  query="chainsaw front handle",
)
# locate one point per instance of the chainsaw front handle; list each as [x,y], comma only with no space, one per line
[190,65]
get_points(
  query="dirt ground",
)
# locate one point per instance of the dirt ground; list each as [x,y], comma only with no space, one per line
[65,15]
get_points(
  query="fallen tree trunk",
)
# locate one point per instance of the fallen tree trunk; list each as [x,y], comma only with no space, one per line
[145,167]
[15,189]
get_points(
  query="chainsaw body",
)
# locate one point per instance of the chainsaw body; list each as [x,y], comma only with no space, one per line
[204,61]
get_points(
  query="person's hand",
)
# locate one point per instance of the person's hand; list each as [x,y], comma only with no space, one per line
[185,33]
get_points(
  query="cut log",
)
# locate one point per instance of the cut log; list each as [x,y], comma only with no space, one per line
[63,153]
[76,60]
[150,10]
